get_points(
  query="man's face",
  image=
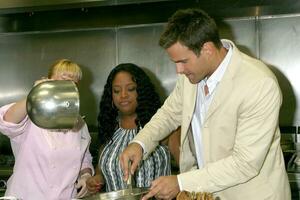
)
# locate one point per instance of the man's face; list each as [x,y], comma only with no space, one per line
[194,67]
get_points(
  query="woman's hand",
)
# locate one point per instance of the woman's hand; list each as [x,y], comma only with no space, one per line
[94,184]
[81,185]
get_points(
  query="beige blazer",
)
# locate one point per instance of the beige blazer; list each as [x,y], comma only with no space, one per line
[243,159]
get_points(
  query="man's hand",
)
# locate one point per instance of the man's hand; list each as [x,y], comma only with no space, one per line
[164,187]
[133,153]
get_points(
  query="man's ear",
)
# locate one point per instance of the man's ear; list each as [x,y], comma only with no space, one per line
[208,48]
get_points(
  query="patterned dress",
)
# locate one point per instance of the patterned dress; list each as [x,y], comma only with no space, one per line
[157,164]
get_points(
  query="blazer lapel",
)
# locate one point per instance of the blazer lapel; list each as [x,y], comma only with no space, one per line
[188,108]
[226,84]
[220,95]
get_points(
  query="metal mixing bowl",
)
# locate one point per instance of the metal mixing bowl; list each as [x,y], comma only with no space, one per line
[126,194]
[54,104]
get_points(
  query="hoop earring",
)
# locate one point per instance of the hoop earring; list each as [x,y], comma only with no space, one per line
[113,105]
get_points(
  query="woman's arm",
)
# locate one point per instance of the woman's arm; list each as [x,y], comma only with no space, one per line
[96,182]
[16,113]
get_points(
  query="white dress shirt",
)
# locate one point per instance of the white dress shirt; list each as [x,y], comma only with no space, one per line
[203,102]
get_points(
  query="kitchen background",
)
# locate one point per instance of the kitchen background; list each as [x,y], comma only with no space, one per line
[99,34]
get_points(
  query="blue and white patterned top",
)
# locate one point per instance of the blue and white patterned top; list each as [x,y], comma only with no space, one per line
[157,164]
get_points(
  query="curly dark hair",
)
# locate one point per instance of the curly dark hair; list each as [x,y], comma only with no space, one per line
[148,101]
[192,28]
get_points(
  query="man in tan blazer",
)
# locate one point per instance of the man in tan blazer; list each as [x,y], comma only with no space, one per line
[227,105]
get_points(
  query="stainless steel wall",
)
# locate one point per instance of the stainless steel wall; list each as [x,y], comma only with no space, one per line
[279,47]
[26,56]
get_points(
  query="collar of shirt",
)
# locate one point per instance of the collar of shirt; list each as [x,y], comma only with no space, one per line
[216,77]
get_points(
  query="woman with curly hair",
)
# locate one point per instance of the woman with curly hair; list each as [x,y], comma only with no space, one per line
[128,102]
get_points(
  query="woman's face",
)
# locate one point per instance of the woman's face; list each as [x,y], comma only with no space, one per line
[124,93]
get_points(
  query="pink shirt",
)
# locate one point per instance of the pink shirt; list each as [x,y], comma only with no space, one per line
[47,163]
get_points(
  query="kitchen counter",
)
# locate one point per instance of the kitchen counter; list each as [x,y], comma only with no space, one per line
[293,170]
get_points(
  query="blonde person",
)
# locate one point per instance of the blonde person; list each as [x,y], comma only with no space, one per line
[49,164]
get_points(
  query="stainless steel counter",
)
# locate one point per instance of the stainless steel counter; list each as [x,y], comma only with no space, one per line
[293,170]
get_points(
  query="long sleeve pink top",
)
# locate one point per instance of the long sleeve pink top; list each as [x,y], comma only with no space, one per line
[47,163]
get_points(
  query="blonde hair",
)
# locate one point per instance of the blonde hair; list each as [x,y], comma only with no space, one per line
[65,65]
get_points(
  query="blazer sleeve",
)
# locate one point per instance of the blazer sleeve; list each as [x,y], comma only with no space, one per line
[166,120]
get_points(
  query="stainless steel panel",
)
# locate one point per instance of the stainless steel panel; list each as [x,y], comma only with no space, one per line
[280,50]
[140,45]
[20,6]
[27,16]
[242,31]
[216,7]
[30,4]
[27,57]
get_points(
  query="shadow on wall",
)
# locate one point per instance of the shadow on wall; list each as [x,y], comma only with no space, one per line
[288,107]
[157,84]
[88,104]
[226,32]
[88,108]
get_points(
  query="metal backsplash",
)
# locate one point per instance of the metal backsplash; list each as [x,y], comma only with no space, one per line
[30,44]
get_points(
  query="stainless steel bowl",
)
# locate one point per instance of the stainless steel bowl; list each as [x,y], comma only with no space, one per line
[54,104]
[126,194]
